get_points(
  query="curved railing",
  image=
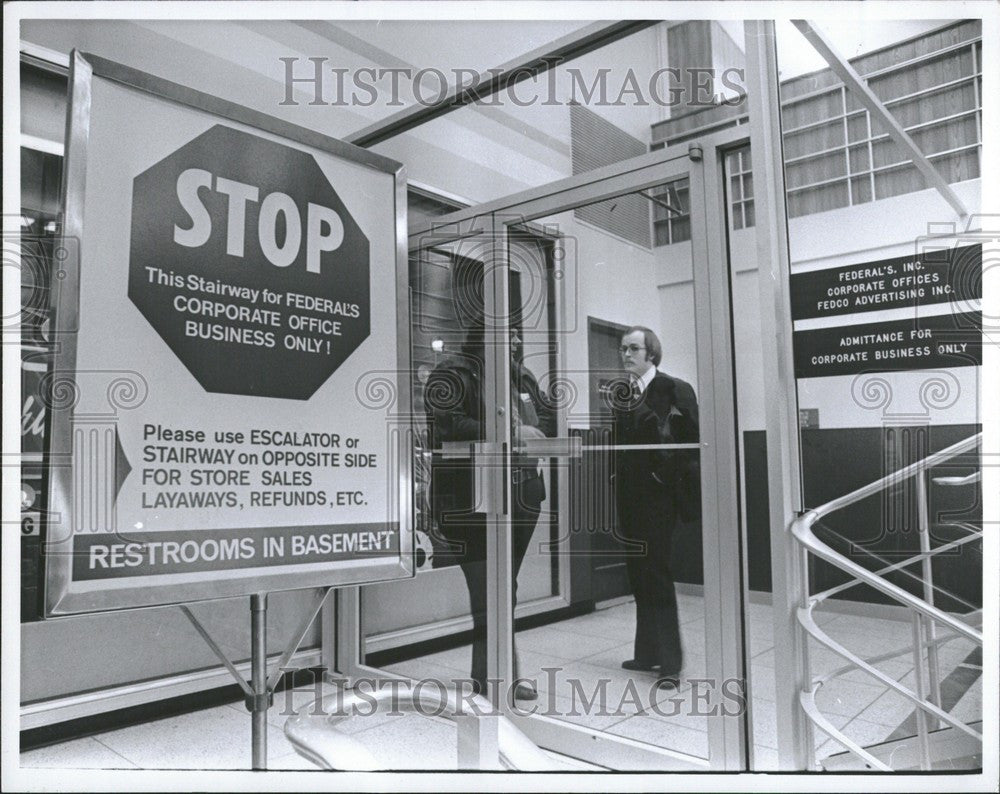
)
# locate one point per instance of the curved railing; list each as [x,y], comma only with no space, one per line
[926,617]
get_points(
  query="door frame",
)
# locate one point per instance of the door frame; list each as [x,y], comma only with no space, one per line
[608,330]
[703,162]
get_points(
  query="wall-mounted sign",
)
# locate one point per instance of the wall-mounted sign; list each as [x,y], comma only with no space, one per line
[945,275]
[928,307]
[215,431]
[808,418]
[931,342]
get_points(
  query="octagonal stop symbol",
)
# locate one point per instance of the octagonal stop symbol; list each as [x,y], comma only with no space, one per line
[248,264]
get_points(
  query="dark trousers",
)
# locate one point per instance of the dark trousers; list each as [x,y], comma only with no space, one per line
[527,499]
[646,516]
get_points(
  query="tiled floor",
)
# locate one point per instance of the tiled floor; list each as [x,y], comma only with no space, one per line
[577,667]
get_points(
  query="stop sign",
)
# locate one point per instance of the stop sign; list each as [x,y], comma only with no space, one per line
[248,264]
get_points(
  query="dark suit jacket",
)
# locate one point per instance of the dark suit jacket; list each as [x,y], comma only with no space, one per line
[666,412]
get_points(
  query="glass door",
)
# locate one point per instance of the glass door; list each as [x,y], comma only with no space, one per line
[617,383]
[578,489]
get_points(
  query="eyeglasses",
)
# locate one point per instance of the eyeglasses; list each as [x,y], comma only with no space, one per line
[633,349]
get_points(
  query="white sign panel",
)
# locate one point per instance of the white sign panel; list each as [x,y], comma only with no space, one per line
[228,380]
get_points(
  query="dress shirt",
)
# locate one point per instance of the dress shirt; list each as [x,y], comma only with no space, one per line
[643,382]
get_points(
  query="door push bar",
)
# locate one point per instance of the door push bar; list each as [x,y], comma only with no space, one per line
[489,467]
[490,461]
[559,447]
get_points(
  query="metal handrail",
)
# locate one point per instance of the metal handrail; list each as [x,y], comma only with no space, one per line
[974,534]
[935,459]
[802,532]
[966,480]
[807,621]
[924,557]
[926,616]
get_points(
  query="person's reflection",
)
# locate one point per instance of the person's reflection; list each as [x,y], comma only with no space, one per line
[453,395]
[651,408]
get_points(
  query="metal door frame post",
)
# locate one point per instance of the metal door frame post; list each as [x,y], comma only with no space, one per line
[783,465]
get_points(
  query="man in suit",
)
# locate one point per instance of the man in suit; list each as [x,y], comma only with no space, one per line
[651,408]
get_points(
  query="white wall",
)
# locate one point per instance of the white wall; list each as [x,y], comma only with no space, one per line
[607,278]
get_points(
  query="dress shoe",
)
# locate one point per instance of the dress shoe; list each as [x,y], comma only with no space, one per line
[635,664]
[668,682]
[525,691]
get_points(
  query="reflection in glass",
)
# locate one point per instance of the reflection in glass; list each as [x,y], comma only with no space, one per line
[623,657]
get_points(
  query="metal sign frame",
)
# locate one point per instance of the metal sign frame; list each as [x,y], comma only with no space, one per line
[84,69]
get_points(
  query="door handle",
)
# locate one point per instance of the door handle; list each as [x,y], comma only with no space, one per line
[457,450]
[488,461]
[484,458]
[559,447]
[489,476]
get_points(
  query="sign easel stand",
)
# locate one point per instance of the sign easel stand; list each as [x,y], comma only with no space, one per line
[258,694]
